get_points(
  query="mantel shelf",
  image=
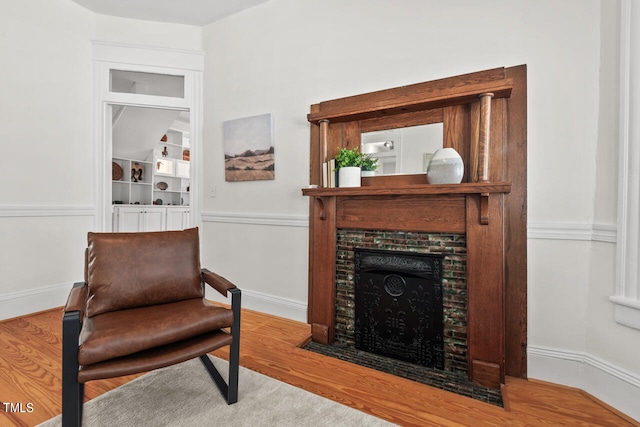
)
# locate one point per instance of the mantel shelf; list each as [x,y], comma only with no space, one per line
[412,190]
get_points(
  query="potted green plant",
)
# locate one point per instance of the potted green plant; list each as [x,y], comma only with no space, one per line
[348,163]
[369,165]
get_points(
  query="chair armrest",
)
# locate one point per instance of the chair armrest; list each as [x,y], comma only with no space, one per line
[77,299]
[217,282]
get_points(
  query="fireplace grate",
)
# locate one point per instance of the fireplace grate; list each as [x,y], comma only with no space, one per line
[398,305]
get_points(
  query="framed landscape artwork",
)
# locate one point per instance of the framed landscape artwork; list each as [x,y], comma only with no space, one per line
[248,148]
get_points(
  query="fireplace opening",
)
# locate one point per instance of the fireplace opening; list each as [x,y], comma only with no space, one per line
[398,306]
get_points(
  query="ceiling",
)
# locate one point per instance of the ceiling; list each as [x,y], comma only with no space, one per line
[190,12]
[137,130]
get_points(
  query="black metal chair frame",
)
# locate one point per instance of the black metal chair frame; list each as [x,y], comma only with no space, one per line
[73,391]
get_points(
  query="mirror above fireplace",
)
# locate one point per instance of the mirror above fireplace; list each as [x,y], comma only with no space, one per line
[404,150]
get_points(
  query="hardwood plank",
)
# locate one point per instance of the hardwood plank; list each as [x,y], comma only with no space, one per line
[30,373]
[540,398]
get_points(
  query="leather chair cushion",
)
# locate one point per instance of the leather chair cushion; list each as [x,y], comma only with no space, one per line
[121,333]
[129,270]
[157,357]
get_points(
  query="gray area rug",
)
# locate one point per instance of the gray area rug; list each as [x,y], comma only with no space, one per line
[185,395]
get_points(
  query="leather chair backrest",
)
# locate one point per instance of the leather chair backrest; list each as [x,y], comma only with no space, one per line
[129,270]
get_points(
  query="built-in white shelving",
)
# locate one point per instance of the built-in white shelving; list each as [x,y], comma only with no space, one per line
[153,194]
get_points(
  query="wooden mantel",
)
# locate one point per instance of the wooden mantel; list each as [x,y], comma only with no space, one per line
[484,119]
[484,189]
[409,190]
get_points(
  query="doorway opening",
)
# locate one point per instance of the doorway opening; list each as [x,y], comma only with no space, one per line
[151,182]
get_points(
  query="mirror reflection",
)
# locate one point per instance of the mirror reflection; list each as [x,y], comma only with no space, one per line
[405,150]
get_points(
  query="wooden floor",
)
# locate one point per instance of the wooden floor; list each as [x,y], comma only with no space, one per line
[30,367]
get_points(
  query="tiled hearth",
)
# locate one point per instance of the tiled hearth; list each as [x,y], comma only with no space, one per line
[444,380]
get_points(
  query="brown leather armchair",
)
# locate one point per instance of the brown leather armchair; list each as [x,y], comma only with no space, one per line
[142,307]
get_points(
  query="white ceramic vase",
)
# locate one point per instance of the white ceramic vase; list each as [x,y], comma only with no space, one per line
[349,177]
[445,167]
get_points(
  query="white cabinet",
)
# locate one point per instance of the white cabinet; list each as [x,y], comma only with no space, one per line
[140,218]
[150,218]
[128,219]
[154,219]
[178,218]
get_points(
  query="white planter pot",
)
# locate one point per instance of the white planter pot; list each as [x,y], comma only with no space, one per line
[368,173]
[445,167]
[349,177]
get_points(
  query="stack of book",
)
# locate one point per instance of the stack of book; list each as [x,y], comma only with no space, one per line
[329,174]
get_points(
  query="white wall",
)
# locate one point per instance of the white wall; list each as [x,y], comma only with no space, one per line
[47,201]
[45,110]
[284,55]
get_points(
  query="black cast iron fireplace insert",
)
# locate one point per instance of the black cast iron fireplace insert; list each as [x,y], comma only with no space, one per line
[399,306]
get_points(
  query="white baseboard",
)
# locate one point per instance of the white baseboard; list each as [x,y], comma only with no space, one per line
[21,303]
[269,304]
[610,384]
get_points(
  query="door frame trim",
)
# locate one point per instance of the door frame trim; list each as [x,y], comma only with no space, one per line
[116,56]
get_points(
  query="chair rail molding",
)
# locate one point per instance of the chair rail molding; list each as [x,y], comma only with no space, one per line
[43,211]
[282,220]
[596,232]
[606,233]
[627,291]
